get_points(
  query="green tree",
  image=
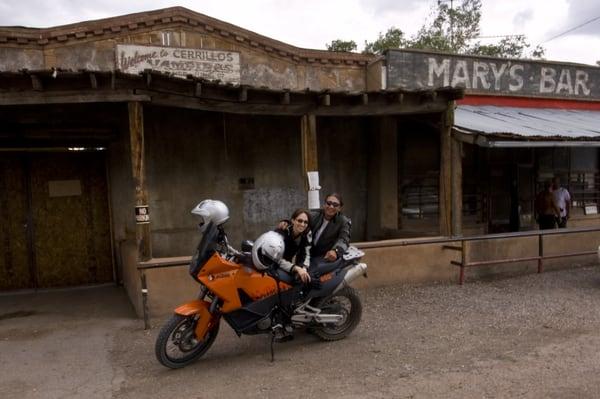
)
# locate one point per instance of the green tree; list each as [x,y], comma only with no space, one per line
[454,29]
[509,47]
[342,45]
[393,38]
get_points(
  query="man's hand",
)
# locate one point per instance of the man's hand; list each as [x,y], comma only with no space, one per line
[283,225]
[303,274]
[331,255]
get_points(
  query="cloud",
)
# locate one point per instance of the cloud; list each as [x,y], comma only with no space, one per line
[379,7]
[578,13]
[521,19]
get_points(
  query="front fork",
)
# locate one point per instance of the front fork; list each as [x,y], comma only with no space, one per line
[205,313]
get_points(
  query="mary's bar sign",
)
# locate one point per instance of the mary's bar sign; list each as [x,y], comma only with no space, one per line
[202,63]
[484,75]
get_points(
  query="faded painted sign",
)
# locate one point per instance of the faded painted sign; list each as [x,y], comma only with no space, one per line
[202,63]
[418,70]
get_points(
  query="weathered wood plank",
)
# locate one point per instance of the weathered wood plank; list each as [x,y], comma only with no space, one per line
[136,132]
[445,189]
[70,97]
[308,132]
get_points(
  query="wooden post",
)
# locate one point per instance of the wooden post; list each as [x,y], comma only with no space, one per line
[445,196]
[309,143]
[456,187]
[308,133]
[136,133]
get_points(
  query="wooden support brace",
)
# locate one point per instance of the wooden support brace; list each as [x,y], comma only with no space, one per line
[148,76]
[365,99]
[36,83]
[309,144]
[243,94]
[198,91]
[93,81]
[285,98]
[326,100]
[113,80]
[136,132]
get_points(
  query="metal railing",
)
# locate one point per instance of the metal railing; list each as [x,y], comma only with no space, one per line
[462,264]
[540,257]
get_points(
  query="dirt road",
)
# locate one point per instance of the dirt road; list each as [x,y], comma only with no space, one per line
[535,336]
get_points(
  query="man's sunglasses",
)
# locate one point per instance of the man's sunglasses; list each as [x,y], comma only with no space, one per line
[332,204]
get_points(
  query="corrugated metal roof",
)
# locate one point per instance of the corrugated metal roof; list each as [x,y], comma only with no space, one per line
[528,123]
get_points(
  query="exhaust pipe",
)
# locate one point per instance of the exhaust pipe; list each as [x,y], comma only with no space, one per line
[352,274]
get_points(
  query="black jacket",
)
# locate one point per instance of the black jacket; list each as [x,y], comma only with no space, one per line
[336,235]
[299,250]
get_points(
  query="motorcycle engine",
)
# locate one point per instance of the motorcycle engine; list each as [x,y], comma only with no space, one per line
[264,324]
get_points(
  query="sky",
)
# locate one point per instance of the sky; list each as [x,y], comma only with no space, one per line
[314,23]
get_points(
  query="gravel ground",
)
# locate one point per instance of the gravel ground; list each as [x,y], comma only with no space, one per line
[534,336]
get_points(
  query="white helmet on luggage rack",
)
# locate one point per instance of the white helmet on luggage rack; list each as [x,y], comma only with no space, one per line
[267,250]
[211,211]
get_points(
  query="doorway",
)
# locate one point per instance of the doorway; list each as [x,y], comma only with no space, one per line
[54,220]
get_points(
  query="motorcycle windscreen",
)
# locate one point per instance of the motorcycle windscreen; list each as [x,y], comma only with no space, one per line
[205,249]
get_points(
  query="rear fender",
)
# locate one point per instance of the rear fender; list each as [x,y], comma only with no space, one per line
[206,320]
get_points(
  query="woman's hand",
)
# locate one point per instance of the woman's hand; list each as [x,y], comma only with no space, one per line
[303,274]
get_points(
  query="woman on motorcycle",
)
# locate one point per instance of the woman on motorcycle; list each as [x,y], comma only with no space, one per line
[297,238]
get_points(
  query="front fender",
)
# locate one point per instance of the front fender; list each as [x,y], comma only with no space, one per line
[193,307]
[206,320]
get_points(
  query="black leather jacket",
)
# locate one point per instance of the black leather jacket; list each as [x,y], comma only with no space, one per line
[336,235]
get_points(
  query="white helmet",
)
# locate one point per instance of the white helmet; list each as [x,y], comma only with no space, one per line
[267,250]
[211,211]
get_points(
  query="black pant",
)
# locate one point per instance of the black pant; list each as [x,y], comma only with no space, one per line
[562,222]
[547,222]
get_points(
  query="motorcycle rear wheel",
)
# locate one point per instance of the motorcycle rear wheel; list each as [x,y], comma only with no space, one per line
[176,344]
[345,302]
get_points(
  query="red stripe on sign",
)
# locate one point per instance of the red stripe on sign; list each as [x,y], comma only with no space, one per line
[529,102]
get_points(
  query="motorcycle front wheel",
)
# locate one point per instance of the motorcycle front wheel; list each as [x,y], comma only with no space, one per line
[177,345]
[346,303]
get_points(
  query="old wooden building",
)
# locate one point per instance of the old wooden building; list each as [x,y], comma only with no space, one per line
[112,130]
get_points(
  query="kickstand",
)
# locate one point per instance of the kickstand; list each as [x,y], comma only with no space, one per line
[272,351]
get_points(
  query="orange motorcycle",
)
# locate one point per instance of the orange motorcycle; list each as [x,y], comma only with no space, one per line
[254,296]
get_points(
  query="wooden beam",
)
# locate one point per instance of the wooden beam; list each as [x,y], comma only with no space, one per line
[36,83]
[445,183]
[308,132]
[70,97]
[457,221]
[243,95]
[365,99]
[93,81]
[136,135]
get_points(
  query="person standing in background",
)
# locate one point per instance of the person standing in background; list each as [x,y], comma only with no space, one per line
[562,199]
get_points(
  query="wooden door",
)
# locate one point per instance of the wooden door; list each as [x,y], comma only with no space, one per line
[71,221]
[54,220]
[16,267]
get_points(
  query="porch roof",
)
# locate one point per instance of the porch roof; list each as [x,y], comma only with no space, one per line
[66,87]
[494,126]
